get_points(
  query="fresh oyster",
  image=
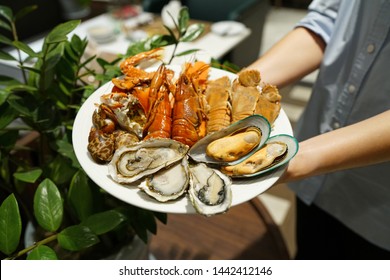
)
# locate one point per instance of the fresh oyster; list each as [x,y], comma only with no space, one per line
[168,184]
[210,190]
[255,122]
[133,162]
[277,151]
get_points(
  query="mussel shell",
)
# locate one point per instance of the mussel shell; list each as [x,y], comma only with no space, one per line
[198,151]
[292,149]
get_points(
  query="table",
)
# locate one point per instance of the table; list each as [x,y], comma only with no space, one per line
[210,45]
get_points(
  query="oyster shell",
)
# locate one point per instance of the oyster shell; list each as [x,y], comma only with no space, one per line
[277,151]
[210,190]
[168,184]
[131,163]
[198,151]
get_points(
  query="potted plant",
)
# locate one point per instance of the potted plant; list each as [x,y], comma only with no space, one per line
[42,185]
[41,182]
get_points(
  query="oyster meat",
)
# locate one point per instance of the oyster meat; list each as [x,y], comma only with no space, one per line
[210,190]
[131,163]
[167,184]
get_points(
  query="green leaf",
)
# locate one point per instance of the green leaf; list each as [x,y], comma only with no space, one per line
[5,40]
[184,18]
[24,106]
[5,25]
[162,40]
[8,139]
[47,77]
[60,170]
[193,32]
[29,176]
[25,48]
[66,149]
[48,206]
[7,114]
[58,34]
[54,56]
[10,225]
[6,13]
[187,52]
[42,252]
[8,81]
[22,87]
[4,166]
[25,11]
[32,70]
[6,56]
[171,35]
[226,65]
[80,196]
[104,222]
[142,220]
[162,217]
[76,238]
[47,116]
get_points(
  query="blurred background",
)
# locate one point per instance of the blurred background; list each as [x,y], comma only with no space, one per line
[261,229]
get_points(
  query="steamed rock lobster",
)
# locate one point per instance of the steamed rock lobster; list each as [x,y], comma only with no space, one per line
[159,115]
[189,110]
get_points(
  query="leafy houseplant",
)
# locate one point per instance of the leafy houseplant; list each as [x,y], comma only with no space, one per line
[41,181]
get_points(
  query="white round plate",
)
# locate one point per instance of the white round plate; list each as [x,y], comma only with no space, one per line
[227,28]
[243,189]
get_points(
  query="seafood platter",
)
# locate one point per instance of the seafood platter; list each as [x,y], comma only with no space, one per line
[183,138]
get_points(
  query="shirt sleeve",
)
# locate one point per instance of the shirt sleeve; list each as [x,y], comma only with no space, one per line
[321,18]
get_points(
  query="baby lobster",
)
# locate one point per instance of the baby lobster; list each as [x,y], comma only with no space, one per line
[189,118]
[159,116]
[218,96]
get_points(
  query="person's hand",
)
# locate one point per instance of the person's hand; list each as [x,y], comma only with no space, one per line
[341,149]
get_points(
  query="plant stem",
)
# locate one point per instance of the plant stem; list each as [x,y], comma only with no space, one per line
[173,53]
[32,247]
[15,37]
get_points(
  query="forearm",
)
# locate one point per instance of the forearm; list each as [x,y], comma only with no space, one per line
[357,145]
[296,55]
